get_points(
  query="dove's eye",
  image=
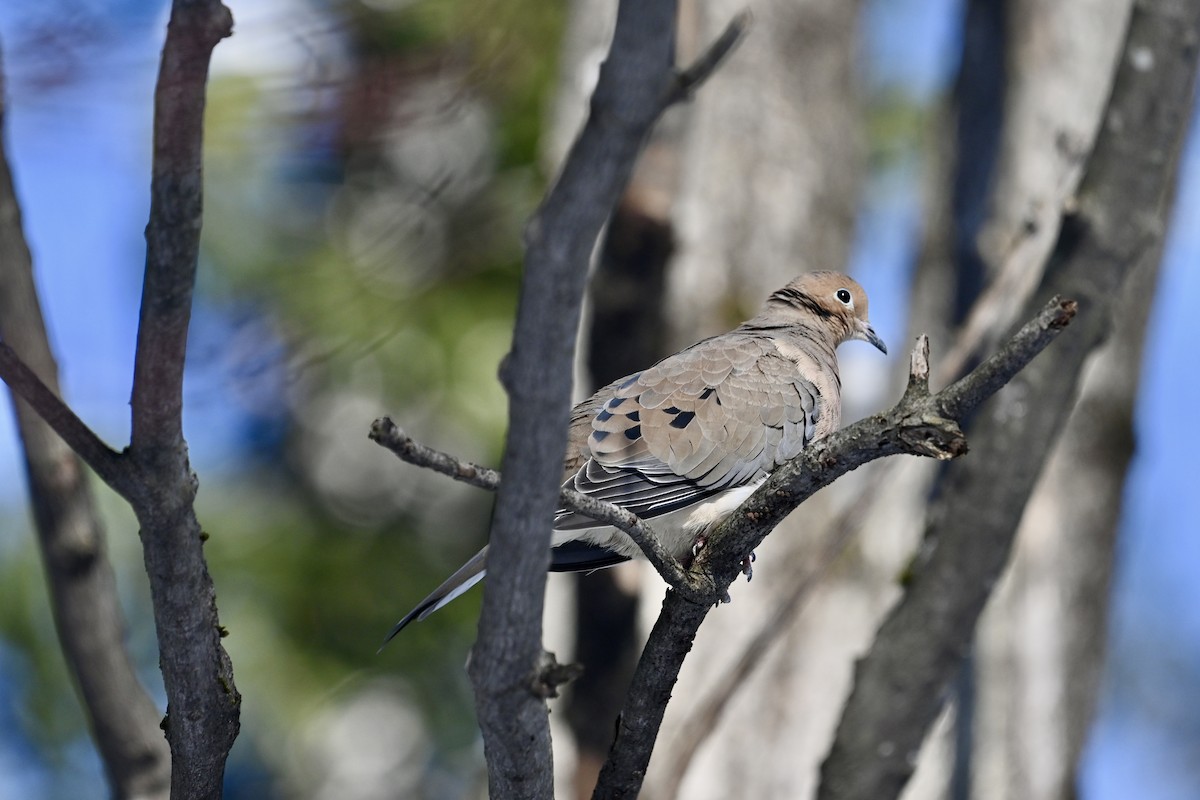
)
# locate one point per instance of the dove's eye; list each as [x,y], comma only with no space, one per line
[843,296]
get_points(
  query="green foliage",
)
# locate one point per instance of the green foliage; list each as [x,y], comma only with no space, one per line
[308,218]
[386,282]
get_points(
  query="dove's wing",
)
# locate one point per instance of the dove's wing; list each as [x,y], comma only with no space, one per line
[716,416]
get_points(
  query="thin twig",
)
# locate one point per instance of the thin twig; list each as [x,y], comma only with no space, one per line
[106,462]
[983,382]
[385,433]
[688,80]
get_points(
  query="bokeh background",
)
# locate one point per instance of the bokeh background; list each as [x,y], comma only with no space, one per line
[369,167]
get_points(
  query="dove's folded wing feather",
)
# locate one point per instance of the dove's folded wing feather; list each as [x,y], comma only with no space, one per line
[719,415]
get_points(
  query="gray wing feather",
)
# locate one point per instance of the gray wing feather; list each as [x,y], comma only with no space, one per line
[720,414]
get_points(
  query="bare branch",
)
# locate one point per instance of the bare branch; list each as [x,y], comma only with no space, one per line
[155,475]
[106,462]
[705,711]
[917,425]
[202,701]
[83,595]
[173,232]
[537,375]
[694,586]
[687,81]
[702,721]
[981,383]
[900,686]
[385,433]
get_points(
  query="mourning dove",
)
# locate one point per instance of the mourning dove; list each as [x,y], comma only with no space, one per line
[685,442]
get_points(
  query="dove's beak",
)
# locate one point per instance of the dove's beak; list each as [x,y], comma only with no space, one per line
[868,334]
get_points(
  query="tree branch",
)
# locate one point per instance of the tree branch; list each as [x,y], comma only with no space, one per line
[203,703]
[702,720]
[24,383]
[900,685]
[173,232]
[917,425]
[634,86]
[83,595]
[688,80]
[385,433]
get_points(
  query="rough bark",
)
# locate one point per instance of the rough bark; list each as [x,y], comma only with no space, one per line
[956,274]
[637,82]
[1117,221]
[626,332]
[83,595]
[153,474]
[203,705]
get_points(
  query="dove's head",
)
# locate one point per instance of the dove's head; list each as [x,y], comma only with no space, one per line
[832,300]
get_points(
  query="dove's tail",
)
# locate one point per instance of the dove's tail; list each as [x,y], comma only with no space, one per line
[463,578]
[573,556]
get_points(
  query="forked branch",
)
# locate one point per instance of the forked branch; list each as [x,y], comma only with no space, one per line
[921,424]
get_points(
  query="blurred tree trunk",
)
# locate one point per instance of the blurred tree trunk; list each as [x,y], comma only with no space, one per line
[1021,715]
[123,718]
[759,181]
[1039,646]
[951,270]
[624,331]
[771,164]
[751,184]
[1041,643]
[1025,701]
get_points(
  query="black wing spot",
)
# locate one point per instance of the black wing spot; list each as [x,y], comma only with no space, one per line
[600,436]
[633,433]
[683,420]
[634,416]
[616,401]
[631,380]
[671,410]
[707,393]
[604,415]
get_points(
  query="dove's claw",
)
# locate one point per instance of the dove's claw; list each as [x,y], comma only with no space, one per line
[748,566]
